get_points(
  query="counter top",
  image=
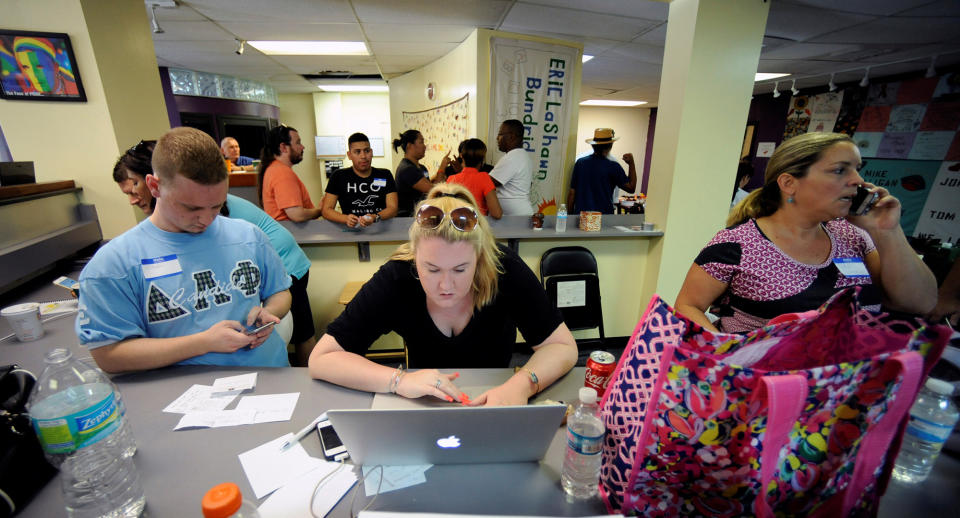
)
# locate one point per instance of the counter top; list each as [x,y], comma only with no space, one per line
[508,227]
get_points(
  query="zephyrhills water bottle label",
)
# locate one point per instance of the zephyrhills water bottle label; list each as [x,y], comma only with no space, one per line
[928,430]
[75,431]
[584,444]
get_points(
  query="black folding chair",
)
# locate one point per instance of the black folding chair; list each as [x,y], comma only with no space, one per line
[571,280]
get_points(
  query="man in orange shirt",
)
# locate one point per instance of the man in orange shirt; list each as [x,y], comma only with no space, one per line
[282,194]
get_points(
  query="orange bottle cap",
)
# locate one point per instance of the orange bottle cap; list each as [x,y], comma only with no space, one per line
[222,500]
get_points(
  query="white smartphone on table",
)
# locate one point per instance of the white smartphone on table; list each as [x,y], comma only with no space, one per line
[333,448]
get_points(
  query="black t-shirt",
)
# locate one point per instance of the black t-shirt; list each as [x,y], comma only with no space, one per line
[361,196]
[393,300]
[407,175]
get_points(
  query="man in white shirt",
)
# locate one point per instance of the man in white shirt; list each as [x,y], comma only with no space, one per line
[513,173]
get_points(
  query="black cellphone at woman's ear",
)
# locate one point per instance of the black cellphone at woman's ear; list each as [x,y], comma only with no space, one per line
[862,201]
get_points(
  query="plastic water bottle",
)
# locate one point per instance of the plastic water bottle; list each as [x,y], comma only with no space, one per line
[581,465]
[75,414]
[562,218]
[932,418]
[226,501]
[126,434]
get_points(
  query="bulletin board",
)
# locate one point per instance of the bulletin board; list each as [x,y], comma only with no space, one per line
[908,133]
[443,128]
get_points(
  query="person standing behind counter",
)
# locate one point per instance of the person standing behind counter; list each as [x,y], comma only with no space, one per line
[472,153]
[595,176]
[280,191]
[181,286]
[457,299]
[366,194]
[793,243]
[231,154]
[513,174]
[413,178]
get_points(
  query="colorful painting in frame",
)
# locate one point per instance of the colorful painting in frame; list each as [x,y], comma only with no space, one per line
[38,66]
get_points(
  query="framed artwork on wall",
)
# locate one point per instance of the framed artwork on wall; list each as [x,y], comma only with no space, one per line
[38,66]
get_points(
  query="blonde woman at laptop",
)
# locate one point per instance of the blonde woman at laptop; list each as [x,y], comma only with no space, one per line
[457,298]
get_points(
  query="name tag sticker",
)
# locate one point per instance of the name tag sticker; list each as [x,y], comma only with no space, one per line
[379,182]
[160,267]
[851,267]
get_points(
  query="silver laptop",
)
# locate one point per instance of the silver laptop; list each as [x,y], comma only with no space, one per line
[454,435]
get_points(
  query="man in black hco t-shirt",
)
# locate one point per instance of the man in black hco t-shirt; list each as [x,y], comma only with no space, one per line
[366,194]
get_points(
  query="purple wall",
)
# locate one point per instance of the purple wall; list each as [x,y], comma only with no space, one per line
[186,103]
[769,114]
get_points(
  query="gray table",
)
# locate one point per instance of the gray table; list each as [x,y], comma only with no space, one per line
[177,468]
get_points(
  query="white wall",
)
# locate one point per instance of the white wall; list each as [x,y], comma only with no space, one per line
[453,76]
[629,125]
[296,110]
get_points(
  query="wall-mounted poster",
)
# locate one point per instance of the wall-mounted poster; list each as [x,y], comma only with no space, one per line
[940,216]
[909,181]
[38,66]
[443,128]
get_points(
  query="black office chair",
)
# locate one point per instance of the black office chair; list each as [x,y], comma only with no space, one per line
[580,306]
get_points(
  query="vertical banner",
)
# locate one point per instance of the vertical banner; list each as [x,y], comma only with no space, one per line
[940,216]
[533,82]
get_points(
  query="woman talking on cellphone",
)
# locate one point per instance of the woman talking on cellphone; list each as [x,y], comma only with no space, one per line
[793,243]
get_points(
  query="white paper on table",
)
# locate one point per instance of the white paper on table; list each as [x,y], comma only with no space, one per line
[216,419]
[571,294]
[239,382]
[201,398]
[394,477]
[270,407]
[267,468]
[294,498]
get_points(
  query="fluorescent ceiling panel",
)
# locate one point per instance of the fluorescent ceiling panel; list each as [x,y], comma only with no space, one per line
[311,48]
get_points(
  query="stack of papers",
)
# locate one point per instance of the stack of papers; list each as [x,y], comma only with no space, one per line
[205,406]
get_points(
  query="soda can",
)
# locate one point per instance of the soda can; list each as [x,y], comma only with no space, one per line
[599,369]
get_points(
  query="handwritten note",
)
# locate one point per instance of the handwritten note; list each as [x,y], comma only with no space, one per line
[201,398]
[216,419]
[270,407]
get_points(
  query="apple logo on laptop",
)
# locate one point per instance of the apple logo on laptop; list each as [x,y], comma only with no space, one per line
[449,442]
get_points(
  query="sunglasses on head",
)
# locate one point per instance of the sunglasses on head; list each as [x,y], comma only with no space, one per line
[463,219]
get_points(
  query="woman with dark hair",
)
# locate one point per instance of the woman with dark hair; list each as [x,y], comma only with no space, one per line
[793,243]
[130,171]
[472,153]
[457,299]
[413,178]
[279,190]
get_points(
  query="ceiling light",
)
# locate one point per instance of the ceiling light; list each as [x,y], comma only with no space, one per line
[603,102]
[831,85]
[793,88]
[354,88]
[586,57]
[866,77]
[153,20]
[239,50]
[764,76]
[776,89]
[931,71]
[311,48]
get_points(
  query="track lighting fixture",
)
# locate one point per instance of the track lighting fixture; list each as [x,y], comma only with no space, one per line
[866,78]
[153,20]
[793,88]
[240,46]
[776,89]
[831,85]
[931,71]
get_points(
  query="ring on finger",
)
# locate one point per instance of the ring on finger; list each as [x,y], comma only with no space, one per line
[438,383]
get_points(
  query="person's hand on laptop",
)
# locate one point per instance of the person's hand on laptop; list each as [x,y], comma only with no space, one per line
[502,395]
[431,382]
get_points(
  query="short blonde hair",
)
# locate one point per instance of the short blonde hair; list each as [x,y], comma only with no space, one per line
[190,153]
[448,197]
[793,157]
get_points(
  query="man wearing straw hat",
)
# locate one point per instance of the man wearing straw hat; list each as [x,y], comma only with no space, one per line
[595,176]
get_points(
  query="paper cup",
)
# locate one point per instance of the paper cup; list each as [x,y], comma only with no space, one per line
[25,320]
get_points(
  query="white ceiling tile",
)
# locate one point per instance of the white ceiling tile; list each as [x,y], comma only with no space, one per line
[193,31]
[314,64]
[807,50]
[524,17]
[873,7]
[648,10]
[179,14]
[656,35]
[801,23]
[294,11]
[482,13]
[896,31]
[597,46]
[285,31]
[417,32]
[397,48]
[644,52]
